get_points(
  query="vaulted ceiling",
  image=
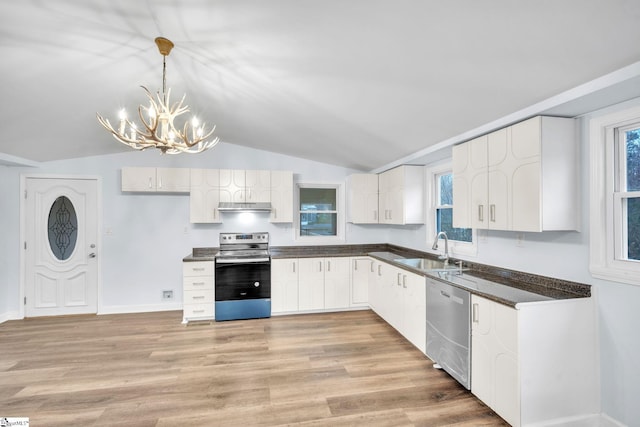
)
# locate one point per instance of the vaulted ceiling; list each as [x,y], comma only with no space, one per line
[358,83]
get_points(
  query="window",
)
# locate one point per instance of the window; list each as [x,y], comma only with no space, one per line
[615,196]
[444,209]
[440,212]
[626,197]
[319,213]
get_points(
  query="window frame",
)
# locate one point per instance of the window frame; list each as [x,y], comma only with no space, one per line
[340,217]
[456,247]
[606,214]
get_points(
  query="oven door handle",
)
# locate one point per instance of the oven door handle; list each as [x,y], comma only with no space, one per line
[241,260]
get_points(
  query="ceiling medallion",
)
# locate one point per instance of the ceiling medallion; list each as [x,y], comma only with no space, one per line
[157,129]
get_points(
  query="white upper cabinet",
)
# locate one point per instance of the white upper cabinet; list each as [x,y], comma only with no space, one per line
[240,186]
[521,178]
[281,196]
[170,180]
[401,195]
[362,198]
[204,196]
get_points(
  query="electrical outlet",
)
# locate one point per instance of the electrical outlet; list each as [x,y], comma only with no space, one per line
[167,295]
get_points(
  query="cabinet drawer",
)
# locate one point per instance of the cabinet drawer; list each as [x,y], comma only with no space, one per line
[195,311]
[198,296]
[197,283]
[197,268]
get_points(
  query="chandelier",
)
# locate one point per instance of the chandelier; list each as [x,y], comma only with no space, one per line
[157,129]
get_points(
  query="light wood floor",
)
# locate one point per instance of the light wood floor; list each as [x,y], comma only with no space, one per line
[341,369]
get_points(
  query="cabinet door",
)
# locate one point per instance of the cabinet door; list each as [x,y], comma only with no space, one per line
[476,177]
[500,165]
[204,196]
[526,178]
[281,197]
[258,186]
[172,180]
[232,186]
[395,195]
[360,271]
[461,186]
[311,283]
[138,179]
[284,285]
[336,283]
[362,198]
[494,358]
[375,273]
[414,323]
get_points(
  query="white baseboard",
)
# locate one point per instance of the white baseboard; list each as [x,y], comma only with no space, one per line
[10,315]
[145,308]
[593,420]
[607,421]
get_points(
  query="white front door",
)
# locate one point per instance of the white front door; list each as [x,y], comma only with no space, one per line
[60,247]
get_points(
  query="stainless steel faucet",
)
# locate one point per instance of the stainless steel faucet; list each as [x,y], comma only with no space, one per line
[444,256]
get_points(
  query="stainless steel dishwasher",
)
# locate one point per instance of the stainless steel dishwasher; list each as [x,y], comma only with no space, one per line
[449,330]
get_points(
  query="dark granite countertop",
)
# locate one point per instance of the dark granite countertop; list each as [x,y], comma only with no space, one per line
[501,285]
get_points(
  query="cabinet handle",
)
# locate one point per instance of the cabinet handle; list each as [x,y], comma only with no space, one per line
[328,266]
[150,187]
[475,316]
[480,213]
[375,215]
[355,265]
[159,182]
[320,265]
[371,268]
[492,213]
[198,311]
[379,270]
[399,274]
[198,297]
[293,266]
[198,268]
[198,283]
[274,212]
[404,281]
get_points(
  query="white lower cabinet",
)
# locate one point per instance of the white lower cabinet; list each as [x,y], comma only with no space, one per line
[284,285]
[198,291]
[535,365]
[323,283]
[320,283]
[494,358]
[399,297]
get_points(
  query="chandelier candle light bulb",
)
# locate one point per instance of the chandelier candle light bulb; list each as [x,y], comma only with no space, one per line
[168,138]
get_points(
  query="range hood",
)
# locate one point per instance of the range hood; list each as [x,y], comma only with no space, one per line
[244,207]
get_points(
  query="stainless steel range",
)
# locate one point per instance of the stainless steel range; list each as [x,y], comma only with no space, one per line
[243,277]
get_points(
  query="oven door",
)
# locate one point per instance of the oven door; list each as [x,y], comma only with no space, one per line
[242,279]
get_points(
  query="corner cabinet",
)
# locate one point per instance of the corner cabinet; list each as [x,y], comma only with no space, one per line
[362,198]
[169,180]
[401,195]
[535,365]
[198,291]
[520,178]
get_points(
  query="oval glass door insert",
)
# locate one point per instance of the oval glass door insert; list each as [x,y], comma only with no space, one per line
[62,228]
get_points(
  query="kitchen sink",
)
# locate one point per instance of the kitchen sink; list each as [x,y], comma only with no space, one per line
[427,264]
